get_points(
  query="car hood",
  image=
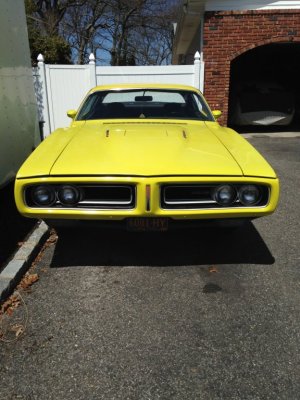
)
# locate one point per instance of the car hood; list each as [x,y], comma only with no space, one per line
[144,149]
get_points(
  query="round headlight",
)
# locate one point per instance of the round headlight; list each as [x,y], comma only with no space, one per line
[43,195]
[225,195]
[249,195]
[68,195]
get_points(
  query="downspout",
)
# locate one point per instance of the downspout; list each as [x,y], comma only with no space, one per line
[201,35]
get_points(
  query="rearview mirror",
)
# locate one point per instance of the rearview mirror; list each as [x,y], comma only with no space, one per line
[217,113]
[71,113]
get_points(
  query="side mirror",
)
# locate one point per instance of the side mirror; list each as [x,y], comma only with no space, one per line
[217,113]
[71,113]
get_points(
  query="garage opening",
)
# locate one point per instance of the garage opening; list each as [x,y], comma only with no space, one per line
[265,89]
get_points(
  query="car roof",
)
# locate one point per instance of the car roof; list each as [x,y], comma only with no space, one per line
[143,86]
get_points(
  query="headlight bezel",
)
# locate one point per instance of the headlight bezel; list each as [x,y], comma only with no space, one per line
[95,196]
[87,195]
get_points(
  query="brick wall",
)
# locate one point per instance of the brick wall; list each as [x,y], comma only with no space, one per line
[227,34]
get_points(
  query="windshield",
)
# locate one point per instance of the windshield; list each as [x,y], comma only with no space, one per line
[145,103]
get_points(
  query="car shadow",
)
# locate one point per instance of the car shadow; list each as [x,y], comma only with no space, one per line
[173,248]
[14,227]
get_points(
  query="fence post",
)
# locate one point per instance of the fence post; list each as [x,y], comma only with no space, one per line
[92,64]
[44,96]
[197,65]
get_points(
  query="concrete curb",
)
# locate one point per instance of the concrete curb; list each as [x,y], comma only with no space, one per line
[19,264]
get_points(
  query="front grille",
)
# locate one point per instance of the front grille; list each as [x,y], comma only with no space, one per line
[195,196]
[92,196]
[108,196]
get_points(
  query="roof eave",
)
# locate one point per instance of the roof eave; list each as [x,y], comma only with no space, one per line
[189,20]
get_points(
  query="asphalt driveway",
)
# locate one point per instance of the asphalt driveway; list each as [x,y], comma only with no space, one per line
[181,315]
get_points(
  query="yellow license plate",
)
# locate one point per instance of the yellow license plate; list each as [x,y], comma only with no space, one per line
[147,224]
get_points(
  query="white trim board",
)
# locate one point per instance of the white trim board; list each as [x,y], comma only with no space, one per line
[227,5]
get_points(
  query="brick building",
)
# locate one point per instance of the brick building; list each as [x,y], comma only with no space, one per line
[241,41]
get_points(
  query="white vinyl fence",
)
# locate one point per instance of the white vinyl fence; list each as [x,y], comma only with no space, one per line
[62,87]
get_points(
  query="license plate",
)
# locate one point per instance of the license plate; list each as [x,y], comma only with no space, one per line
[147,224]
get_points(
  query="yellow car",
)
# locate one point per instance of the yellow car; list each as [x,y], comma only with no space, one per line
[146,157]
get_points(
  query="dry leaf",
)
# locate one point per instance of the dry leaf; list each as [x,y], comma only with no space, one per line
[212,269]
[52,238]
[10,305]
[18,329]
[9,311]
[28,280]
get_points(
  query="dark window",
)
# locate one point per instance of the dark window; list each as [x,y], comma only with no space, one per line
[145,103]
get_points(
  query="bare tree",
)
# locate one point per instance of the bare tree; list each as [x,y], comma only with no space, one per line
[50,13]
[123,16]
[141,31]
[86,28]
[122,32]
[43,19]
[154,38]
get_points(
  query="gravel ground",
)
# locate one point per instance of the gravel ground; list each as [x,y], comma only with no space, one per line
[181,315]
